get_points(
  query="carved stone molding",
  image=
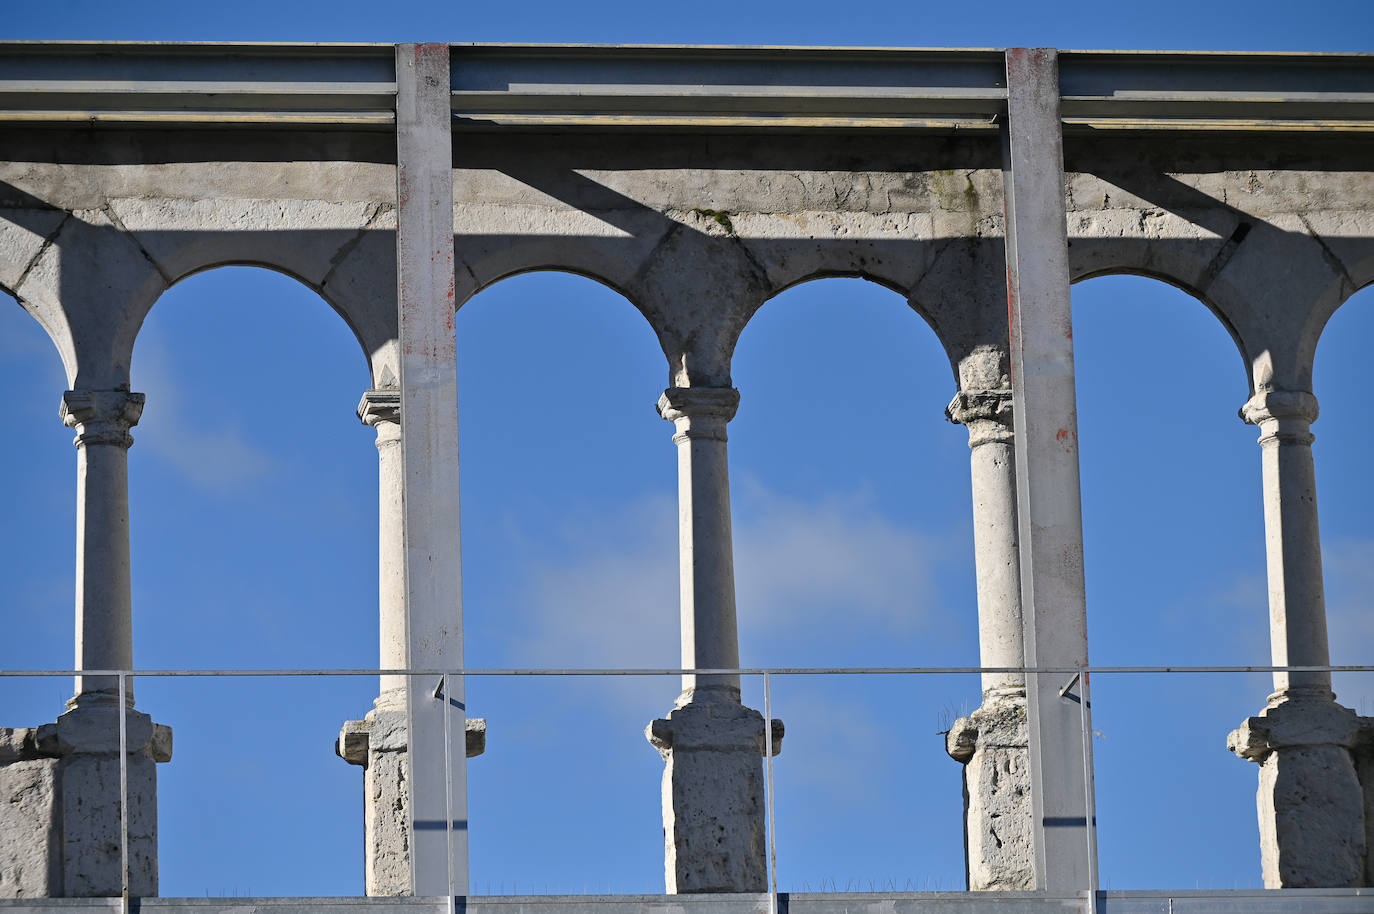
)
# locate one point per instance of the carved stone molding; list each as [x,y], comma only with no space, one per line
[699,412]
[1282,415]
[379,405]
[101,416]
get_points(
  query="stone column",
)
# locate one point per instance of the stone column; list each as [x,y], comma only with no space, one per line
[65,776]
[104,601]
[712,746]
[378,742]
[380,409]
[992,742]
[1311,816]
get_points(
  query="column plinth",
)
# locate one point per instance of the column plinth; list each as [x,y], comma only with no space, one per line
[1310,803]
[714,817]
[993,742]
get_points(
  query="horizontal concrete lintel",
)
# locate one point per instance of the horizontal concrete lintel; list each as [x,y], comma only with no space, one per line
[1256,901]
[573,86]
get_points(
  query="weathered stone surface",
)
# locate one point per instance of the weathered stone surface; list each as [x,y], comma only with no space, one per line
[62,834]
[714,825]
[378,743]
[30,861]
[1310,802]
[993,745]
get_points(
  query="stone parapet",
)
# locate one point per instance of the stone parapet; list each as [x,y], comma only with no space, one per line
[379,743]
[993,745]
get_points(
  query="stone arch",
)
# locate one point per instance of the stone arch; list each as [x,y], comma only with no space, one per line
[839,478]
[1172,275]
[248,455]
[365,315]
[1167,470]
[569,537]
[747,310]
[600,260]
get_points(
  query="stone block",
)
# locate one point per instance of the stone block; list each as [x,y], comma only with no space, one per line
[378,743]
[1310,803]
[62,782]
[714,824]
[30,863]
[993,745]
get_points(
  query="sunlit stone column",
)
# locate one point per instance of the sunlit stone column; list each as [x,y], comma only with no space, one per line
[992,742]
[1310,803]
[62,779]
[104,601]
[378,742]
[712,746]
[380,409]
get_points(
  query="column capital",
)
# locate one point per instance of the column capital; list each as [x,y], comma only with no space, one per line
[380,404]
[987,413]
[699,412]
[101,416]
[1282,415]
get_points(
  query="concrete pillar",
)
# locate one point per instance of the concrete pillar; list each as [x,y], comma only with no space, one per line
[992,741]
[714,821]
[1310,803]
[378,742]
[1049,509]
[104,600]
[437,766]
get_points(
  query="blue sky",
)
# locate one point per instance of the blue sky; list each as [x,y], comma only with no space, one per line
[254,517]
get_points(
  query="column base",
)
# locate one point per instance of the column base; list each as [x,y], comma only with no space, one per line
[1310,801]
[378,743]
[60,781]
[993,745]
[714,818]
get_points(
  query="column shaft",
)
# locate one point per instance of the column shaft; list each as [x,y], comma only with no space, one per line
[710,637]
[1297,601]
[104,598]
[992,464]
[381,409]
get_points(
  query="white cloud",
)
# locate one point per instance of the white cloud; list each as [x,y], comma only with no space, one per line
[798,561]
[197,442]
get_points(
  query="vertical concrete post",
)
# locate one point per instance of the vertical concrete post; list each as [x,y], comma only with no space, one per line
[1053,601]
[714,822]
[992,741]
[1310,803]
[437,767]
